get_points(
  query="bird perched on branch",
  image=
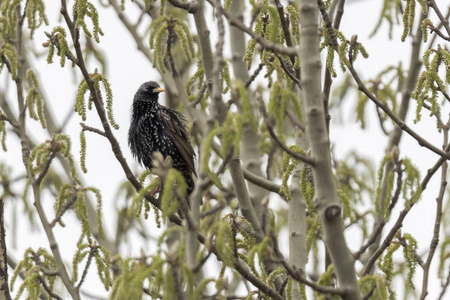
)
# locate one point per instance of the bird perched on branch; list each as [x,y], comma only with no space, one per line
[155,127]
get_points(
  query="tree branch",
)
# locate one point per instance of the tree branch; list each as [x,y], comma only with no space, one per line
[437,227]
[191,6]
[4,287]
[262,182]
[218,109]
[247,274]
[326,199]
[444,21]
[262,41]
[399,223]
[88,263]
[304,158]
[446,285]
[47,288]
[240,188]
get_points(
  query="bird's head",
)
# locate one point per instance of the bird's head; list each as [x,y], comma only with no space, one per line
[148,91]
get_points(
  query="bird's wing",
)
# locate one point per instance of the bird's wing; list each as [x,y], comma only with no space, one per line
[177,130]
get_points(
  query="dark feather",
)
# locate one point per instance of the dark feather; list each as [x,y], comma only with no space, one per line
[157,128]
[173,120]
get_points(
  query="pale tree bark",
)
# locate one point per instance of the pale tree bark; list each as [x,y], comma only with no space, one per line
[325,197]
[298,255]
[250,151]
[297,226]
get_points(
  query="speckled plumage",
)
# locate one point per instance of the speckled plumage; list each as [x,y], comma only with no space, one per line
[155,127]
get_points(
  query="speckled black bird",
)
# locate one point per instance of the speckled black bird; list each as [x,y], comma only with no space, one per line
[155,127]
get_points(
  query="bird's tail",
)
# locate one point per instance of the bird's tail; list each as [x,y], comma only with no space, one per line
[187,174]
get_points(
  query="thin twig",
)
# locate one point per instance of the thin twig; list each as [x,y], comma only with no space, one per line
[243,226]
[438,32]
[304,158]
[441,17]
[446,285]
[53,38]
[370,293]
[417,256]
[300,276]
[92,252]
[381,121]
[47,288]
[288,72]
[262,41]
[285,27]
[438,27]
[99,106]
[63,210]
[361,86]
[11,122]
[254,75]
[294,120]
[200,264]
[399,223]
[247,274]
[373,237]
[398,190]
[92,129]
[200,95]
[214,209]
[46,167]
[328,80]
[173,267]
[437,225]
[42,268]
[4,287]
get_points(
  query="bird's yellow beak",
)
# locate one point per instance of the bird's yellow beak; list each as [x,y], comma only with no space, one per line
[158,90]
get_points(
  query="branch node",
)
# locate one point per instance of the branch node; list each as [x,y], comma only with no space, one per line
[332,211]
